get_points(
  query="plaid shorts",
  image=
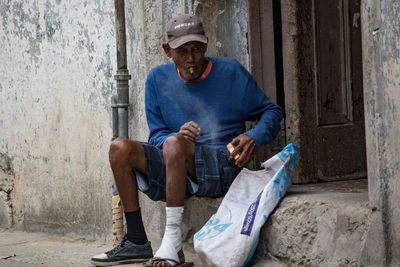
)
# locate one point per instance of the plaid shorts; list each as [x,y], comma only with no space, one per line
[215,172]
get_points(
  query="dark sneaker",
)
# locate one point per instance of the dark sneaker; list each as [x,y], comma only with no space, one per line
[125,252]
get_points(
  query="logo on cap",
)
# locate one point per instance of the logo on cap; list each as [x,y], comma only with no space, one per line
[188,24]
[183,29]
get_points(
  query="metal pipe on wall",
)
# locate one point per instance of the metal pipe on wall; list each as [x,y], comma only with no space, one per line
[120,104]
[114,106]
[122,77]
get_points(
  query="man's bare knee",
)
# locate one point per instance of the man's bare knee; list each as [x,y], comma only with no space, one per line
[119,149]
[127,152]
[177,148]
[174,146]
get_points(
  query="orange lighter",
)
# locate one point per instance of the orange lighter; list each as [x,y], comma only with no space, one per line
[231,147]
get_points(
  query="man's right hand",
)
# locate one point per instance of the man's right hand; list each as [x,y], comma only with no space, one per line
[190,130]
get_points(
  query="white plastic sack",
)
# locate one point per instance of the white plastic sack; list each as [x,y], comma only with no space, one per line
[230,236]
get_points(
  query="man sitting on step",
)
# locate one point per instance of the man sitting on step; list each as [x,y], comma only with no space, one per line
[195,106]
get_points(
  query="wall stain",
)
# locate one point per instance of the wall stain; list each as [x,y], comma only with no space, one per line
[7,177]
[18,19]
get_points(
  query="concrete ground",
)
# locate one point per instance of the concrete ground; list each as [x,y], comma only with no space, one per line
[39,249]
[296,234]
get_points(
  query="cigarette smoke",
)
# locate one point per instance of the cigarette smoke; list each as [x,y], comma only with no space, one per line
[200,110]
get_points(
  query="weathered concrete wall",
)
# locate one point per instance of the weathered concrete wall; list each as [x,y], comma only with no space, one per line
[381,66]
[6,189]
[56,78]
[56,66]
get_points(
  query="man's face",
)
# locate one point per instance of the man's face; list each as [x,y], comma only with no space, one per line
[189,59]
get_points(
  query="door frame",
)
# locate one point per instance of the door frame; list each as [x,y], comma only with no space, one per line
[266,62]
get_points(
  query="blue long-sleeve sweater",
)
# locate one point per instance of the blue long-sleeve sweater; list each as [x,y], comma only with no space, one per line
[220,104]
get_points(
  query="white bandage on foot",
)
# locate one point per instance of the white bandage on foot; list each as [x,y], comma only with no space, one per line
[172,241]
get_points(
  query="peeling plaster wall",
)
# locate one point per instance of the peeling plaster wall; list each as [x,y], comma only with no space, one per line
[381,66]
[56,67]
[6,189]
[56,78]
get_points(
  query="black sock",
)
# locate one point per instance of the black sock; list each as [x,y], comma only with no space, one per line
[135,229]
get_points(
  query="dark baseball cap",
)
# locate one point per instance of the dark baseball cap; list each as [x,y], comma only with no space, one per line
[183,29]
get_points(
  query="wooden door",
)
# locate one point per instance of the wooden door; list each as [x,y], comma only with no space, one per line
[335,108]
[325,56]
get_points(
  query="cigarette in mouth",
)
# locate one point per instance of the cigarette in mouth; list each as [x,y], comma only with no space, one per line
[191,70]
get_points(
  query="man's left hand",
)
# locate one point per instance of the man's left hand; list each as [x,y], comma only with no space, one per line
[246,146]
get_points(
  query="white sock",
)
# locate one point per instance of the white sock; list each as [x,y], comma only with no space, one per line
[172,240]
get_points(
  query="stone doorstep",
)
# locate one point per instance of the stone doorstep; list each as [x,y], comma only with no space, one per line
[321,224]
[315,225]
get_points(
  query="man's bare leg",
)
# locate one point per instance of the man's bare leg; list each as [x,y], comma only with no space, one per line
[126,155]
[179,161]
